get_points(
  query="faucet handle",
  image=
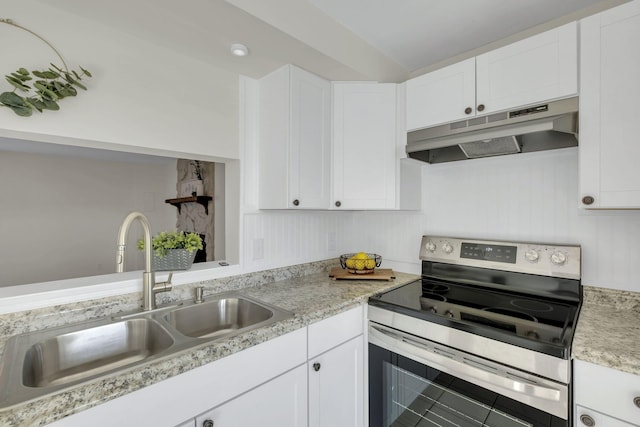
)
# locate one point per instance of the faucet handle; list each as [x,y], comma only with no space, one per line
[199,294]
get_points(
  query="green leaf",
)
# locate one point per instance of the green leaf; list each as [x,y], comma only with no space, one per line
[68,90]
[51,105]
[49,75]
[56,67]
[74,82]
[35,103]
[11,99]
[21,77]
[44,89]
[22,111]
[17,83]
[76,75]
[23,71]
[86,72]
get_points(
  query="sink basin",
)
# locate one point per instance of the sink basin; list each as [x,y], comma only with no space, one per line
[218,317]
[39,363]
[89,352]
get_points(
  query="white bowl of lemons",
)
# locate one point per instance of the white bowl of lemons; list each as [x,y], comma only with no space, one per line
[360,263]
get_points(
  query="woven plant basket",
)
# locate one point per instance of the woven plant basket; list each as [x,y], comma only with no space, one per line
[175,259]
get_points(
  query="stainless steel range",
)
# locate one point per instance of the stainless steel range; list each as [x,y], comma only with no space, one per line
[482,339]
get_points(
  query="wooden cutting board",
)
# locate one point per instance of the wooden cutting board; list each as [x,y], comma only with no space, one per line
[338,273]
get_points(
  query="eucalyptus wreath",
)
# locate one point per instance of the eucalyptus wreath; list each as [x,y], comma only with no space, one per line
[51,86]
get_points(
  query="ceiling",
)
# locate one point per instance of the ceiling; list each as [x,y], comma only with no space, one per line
[382,40]
[420,33]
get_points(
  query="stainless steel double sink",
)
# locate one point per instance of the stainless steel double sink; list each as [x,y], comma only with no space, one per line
[40,363]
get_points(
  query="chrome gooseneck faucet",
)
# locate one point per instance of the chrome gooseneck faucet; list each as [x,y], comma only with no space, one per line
[149,286]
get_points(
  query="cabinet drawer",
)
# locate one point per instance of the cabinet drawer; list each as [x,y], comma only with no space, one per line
[328,333]
[607,390]
[599,420]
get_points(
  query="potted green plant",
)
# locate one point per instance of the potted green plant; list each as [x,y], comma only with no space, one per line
[173,250]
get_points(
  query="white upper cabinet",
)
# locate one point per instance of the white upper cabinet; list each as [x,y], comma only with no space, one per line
[537,69]
[442,96]
[294,140]
[609,113]
[365,137]
[540,68]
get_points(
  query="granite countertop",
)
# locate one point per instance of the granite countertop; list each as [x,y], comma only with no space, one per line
[311,298]
[607,331]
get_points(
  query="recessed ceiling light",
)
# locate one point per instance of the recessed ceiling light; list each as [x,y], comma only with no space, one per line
[238,49]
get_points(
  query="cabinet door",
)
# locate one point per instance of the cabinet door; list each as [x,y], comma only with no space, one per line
[336,386]
[442,96]
[586,417]
[618,398]
[294,140]
[609,113]
[309,156]
[280,402]
[364,146]
[537,69]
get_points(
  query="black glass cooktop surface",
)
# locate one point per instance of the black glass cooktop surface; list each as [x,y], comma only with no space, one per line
[497,310]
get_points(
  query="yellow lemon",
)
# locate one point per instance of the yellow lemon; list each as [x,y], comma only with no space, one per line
[370,264]
[350,263]
[359,264]
[361,255]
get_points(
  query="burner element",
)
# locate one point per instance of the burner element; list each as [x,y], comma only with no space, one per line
[435,288]
[432,296]
[511,313]
[531,305]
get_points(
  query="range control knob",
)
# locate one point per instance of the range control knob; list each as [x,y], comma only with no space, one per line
[447,248]
[433,310]
[532,255]
[449,314]
[430,246]
[558,258]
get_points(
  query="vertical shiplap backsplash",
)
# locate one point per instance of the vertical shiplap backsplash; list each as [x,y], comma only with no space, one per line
[528,197]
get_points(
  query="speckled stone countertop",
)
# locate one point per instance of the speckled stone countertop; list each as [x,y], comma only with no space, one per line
[306,290]
[608,328]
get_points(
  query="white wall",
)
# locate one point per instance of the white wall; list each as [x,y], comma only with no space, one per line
[60,216]
[141,97]
[527,197]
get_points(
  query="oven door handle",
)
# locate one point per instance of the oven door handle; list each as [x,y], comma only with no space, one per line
[460,364]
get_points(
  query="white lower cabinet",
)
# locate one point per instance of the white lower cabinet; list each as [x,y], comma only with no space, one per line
[336,386]
[605,397]
[281,402]
[336,370]
[587,417]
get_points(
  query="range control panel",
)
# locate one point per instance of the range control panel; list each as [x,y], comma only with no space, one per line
[533,258]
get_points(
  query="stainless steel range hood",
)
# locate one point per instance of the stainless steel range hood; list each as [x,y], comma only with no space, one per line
[540,127]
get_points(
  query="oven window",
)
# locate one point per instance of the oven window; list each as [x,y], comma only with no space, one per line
[406,393]
[415,401]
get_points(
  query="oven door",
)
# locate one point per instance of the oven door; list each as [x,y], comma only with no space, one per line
[415,382]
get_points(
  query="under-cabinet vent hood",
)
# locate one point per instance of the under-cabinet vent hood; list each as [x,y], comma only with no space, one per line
[540,127]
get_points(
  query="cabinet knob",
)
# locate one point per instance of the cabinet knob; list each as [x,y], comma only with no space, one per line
[636,401]
[468,110]
[480,107]
[296,202]
[338,204]
[207,423]
[587,420]
[588,200]
[316,366]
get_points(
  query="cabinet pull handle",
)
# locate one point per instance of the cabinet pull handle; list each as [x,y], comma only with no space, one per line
[480,107]
[316,366]
[296,202]
[338,204]
[207,423]
[636,401]
[468,110]
[587,420]
[588,200]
